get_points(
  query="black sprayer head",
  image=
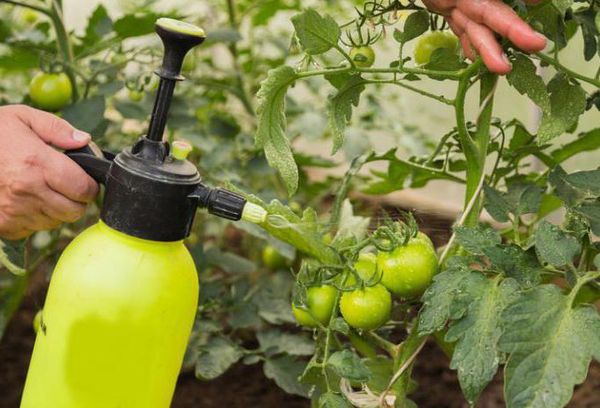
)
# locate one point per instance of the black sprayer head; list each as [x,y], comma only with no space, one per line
[152,191]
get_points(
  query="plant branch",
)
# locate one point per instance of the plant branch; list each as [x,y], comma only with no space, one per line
[64,44]
[556,64]
[243,95]
[39,9]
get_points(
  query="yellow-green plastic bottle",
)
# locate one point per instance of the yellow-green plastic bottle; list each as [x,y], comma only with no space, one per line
[115,324]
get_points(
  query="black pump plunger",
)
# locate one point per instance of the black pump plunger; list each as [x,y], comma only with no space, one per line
[178,38]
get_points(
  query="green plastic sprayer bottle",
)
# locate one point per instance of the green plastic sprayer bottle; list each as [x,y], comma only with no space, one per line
[122,298]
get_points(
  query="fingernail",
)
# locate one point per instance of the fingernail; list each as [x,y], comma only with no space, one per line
[540,36]
[81,136]
[505,59]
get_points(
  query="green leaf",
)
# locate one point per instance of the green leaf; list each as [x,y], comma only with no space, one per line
[585,142]
[332,400]
[562,5]
[592,213]
[416,24]
[351,227]
[270,134]
[476,356]
[87,114]
[444,59]
[317,34]
[526,81]
[567,102]
[558,179]
[229,262]
[135,25]
[216,357]
[99,24]
[515,263]
[554,246]
[447,298]
[340,108]
[276,341]
[587,182]
[285,371]
[496,204]
[476,239]
[348,365]
[524,197]
[550,344]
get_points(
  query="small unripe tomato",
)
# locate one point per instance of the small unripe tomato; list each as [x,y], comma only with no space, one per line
[189,62]
[432,41]
[367,308]
[135,95]
[273,259]
[363,57]
[50,92]
[29,16]
[319,302]
[409,269]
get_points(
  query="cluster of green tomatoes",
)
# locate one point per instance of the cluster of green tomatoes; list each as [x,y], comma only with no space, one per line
[366,299]
[363,55]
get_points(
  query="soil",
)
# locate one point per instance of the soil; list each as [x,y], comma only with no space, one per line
[246,386]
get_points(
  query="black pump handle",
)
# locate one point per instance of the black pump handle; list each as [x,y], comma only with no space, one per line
[178,38]
[92,160]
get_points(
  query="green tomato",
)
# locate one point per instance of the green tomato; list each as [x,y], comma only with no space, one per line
[50,92]
[189,62]
[409,269]
[272,259]
[432,41]
[29,16]
[366,308]
[135,96]
[319,303]
[421,236]
[37,321]
[366,267]
[363,56]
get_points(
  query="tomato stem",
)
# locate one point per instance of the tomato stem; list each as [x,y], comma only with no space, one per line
[64,44]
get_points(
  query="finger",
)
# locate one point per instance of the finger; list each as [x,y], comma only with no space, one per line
[40,222]
[52,129]
[483,40]
[15,234]
[456,28]
[61,208]
[464,39]
[502,19]
[443,7]
[467,47]
[68,179]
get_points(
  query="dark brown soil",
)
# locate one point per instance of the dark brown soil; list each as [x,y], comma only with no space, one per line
[246,386]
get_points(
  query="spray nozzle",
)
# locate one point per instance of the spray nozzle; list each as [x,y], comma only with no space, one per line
[229,205]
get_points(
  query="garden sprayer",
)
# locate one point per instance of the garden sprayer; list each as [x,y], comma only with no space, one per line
[122,298]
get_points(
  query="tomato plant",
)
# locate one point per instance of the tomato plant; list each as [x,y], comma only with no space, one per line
[513,287]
